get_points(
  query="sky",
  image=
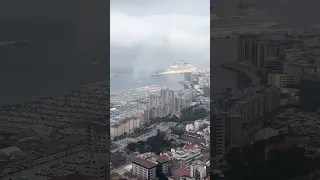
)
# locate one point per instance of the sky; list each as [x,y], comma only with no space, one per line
[151,35]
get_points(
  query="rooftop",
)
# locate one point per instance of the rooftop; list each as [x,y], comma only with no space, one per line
[181,172]
[144,162]
[162,159]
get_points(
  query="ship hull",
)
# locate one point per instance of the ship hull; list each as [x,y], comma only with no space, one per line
[175,69]
[173,73]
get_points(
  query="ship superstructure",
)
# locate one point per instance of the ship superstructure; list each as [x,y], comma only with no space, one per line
[178,69]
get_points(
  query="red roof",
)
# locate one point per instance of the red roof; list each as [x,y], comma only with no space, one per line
[189,148]
[162,159]
[181,172]
[144,162]
[203,106]
[72,177]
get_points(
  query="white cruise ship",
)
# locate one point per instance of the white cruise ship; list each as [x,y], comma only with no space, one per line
[176,69]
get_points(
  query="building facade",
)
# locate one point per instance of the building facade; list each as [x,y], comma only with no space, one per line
[144,169]
[97,148]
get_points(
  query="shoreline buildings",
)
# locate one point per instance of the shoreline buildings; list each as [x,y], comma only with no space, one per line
[132,110]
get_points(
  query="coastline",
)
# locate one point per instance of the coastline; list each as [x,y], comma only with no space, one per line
[237,67]
[51,94]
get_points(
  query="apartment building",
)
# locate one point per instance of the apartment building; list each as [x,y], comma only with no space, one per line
[144,169]
[298,68]
[198,172]
[126,125]
[274,64]
[253,102]
[163,161]
[217,137]
[282,80]
[253,49]
[97,150]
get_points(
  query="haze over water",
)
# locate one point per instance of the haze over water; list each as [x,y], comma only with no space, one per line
[64,41]
[294,15]
[64,38]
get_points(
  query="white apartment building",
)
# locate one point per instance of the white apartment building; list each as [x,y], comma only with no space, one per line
[189,94]
[184,159]
[144,169]
[298,68]
[293,54]
[198,172]
[167,101]
[142,105]
[126,125]
[251,103]
[282,80]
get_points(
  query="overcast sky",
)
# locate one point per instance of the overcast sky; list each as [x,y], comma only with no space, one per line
[150,35]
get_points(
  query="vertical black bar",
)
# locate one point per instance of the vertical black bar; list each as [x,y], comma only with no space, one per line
[212,124]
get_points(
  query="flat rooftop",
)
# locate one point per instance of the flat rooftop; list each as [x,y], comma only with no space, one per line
[144,162]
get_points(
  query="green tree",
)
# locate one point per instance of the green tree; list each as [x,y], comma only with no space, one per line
[131,147]
[178,132]
[140,143]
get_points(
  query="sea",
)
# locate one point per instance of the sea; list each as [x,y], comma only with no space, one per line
[288,13]
[65,37]
[64,41]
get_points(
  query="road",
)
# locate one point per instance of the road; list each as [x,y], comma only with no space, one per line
[242,69]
